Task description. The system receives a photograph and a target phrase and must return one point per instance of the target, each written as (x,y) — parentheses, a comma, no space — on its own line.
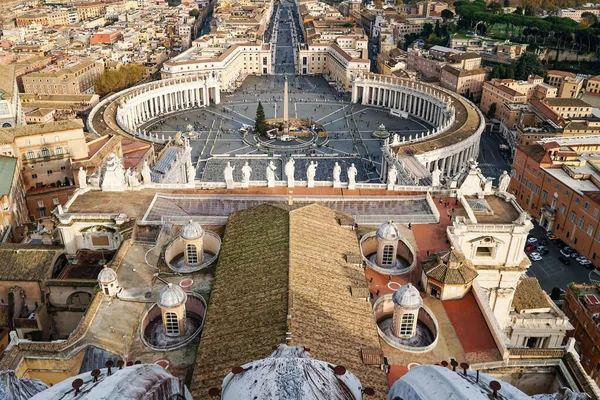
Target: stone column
(286,119)
(218,94)
(206,98)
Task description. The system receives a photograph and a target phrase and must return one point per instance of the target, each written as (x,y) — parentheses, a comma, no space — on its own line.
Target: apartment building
(499,91)
(593,85)
(11,112)
(567,83)
(106,36)
(13,209)
(76,77)
(582,307)
(86,11)
(558,182)
(575,13)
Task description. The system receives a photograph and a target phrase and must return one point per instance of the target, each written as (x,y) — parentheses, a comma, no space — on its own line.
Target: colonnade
(451,164)
(155,99)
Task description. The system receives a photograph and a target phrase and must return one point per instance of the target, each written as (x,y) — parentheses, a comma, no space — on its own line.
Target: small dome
(388,231)
(171,296)
(107,275)
(192,230)
(407,296)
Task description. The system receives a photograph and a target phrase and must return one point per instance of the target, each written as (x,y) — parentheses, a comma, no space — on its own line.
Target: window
(562,209)
(55,201)
(192,254)
(43,140)
(59,150)
(536,190)
(40,203)
(406,325)
(586,205)
(567,193)
(580,222)
(590,230)
(576,199)
(544,195)
(30,154)
(49,172)
(172,324)
(572,216)
(387,258)
(45,152)
(484,251)
(595,212)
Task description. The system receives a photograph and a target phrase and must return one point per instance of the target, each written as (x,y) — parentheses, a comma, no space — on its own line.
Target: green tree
(437,29)
(528,64)
(427,29)
(588,19)
(260,125)
(506,3)
(492,111)
(114,80)
(495,8)
(195,13)
(447,15)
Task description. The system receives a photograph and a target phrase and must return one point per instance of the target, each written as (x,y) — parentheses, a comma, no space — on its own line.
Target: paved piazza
(216,129)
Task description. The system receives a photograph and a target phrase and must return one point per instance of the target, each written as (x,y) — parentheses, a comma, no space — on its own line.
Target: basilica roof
(297,284)
(530,296)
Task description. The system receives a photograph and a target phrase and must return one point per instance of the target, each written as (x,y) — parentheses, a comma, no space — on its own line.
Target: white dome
(107,275)
(171,296)
(407,296)
(388,231)
(192,230)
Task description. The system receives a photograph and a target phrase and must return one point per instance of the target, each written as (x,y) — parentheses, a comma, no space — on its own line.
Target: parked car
(535,257)
(529,247)
(564,260)
(559,243)
(565,253)
(543,242)
(574,255)
(540,248)
(544,252)
(532,240)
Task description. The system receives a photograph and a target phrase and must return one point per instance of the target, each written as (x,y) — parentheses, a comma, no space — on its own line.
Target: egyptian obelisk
(286,119)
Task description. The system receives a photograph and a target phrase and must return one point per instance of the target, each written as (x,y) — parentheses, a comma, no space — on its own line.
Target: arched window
(406,325)
(30,154)
(192,254)
(59,150)
(387,257)
(45,152)
(172,324)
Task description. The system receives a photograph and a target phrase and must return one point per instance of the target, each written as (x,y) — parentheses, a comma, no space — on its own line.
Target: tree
(195,13)
(495,8)
(114,80)
(528,64)
(447,15)
(506,3)
(588,19)
(555,294)
(260,125)
(427,29)
(437,30)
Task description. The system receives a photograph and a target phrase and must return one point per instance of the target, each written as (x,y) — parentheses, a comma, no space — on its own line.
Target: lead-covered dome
(171,296)
(107,275)
(407,296)
(192,230)
(388,231)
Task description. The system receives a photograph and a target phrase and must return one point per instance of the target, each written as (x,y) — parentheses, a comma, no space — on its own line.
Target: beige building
(45,150)
(593,85)
(13,210)
(567,83)
(91,10)
(70,78)
(569,108)
(11,112)
(499,91)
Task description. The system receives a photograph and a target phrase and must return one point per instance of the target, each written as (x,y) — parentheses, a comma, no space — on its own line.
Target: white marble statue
(113,177)
(81,178)
(146,173)
(352,177)
(271,174)
(503,182)
(132,180)
(435,176)
(289,171)
(392,177)
(191,172)
(311,171)
(337,171)
(228,172)
(246,171)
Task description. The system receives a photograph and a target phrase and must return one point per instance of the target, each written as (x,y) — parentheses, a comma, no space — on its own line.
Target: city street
(285,61)
(490,158)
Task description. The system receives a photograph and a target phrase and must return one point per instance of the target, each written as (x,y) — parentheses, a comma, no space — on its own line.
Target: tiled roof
(7,80)
(566,102)
(7,135)
(26,263)
(529,295)
(449,267)
(7,172)
(286,272)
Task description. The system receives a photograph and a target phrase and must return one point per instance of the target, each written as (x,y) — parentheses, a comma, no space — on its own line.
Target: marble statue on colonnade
(228,173)
(271,174)
(503,182)
(146,173)
(337,171)
(352,172)
(191,172)
(246,171)
(81,178)
(392,177)
(311,171)
(289,172)
(435,176)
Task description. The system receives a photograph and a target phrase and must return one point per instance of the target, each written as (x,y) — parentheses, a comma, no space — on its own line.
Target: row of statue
(289,169)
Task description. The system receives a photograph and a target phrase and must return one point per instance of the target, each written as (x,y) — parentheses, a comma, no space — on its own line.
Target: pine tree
(260,126)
